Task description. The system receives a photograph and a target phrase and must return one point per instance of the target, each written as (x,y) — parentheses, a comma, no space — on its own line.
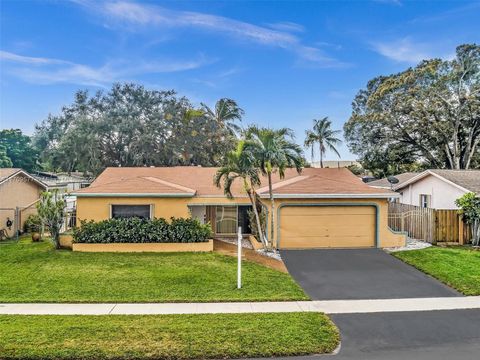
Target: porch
(224,219)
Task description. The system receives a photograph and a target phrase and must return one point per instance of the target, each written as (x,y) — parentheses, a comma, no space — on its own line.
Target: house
(435,188)
(19,192)
(63,182)
(385,184)
(318,208)
(438,189)
(335,163)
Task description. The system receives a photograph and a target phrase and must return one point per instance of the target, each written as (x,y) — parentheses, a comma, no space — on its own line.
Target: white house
(437,189)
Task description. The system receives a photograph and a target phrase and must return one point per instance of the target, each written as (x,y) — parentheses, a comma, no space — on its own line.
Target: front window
(425,200)
(128,211)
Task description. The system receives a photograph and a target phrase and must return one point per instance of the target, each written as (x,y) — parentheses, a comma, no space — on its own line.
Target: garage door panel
(325,226)
(318,229)
(327,210)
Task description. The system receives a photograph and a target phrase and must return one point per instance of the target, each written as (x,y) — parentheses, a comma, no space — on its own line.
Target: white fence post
(239,261)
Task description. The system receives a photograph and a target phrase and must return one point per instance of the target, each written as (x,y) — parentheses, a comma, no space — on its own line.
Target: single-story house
(437,189)
(19,192)
(319,208)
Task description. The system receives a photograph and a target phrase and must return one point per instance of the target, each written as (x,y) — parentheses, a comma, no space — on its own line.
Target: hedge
(136,230)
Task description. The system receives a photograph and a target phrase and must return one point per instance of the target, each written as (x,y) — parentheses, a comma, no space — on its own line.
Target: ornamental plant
(469,205)
(136,230)
(50,209)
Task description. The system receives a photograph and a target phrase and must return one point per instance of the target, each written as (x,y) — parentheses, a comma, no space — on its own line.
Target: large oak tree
(133,126)
(428,115)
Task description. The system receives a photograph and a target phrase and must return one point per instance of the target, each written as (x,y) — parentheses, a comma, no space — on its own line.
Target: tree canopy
(428,115)
(16,150)
(133,126)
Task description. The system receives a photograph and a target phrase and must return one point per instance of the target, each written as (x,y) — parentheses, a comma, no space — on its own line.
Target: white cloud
(403,50)
(287,26)
(135,16)
(8,56)
(48,71)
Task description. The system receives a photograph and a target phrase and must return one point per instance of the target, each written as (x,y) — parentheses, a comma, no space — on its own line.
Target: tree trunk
(257,217)
(272,208)
(321,157)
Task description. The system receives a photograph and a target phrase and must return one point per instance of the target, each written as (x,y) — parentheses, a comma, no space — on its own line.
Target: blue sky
(284,62)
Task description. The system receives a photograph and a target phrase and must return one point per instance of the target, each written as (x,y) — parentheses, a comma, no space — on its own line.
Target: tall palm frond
(326,138)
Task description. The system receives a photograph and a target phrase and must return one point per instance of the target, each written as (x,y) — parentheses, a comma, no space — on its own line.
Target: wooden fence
(428,224)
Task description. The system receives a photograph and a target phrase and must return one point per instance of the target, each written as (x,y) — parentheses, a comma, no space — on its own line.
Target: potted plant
(33,225)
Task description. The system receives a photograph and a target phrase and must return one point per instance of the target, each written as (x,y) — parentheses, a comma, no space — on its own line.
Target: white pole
(239,261)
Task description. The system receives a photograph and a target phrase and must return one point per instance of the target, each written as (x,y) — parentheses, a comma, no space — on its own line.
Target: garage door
(327,227)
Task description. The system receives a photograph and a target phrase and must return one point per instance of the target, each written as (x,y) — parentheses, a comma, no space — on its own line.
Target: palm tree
(240,164)
(274,150)
(225,114)
(322,134)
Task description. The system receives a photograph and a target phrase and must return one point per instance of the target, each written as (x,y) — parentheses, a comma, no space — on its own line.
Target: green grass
(165,336)
(456,267)
(35,272)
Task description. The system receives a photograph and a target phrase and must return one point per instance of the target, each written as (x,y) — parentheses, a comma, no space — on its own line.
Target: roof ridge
(174,185)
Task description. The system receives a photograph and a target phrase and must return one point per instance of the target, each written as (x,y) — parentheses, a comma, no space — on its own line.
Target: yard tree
(428,114)
(132,126)
(469,205)
(274,151)
(241,165)
(50,209)
(323,135)
(16,150)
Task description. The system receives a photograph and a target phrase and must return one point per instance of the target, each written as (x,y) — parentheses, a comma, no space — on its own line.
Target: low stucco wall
(145,247)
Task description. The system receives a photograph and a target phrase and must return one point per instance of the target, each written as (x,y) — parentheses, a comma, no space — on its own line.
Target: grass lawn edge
(166,336)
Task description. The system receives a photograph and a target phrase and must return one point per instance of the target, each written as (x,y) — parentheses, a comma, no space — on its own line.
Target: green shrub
(136,230)
(32,224)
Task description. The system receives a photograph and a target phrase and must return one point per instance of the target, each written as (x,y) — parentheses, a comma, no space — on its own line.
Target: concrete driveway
(338,274)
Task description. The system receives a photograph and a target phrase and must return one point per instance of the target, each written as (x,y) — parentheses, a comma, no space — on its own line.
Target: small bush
(32,224)
(136,230)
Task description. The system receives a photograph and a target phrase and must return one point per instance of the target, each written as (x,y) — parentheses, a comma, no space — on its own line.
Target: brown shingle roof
(468,179)
(7,172)
(383,183)
(190,180)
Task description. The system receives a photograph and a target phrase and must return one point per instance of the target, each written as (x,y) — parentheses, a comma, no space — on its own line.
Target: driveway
(338,274)
(426,335)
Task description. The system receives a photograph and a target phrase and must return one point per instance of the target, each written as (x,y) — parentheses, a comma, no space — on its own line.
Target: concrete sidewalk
(328,307)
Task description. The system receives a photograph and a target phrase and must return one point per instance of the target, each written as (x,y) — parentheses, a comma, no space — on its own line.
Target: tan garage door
(327,227)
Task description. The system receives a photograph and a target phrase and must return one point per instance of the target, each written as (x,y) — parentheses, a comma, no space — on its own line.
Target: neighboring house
(319,208)
(385,184)
(335,163)
(19,192)
(63,182)
(438,189)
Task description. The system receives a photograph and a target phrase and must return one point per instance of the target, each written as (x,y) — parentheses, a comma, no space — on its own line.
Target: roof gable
(465,180)
(6,174)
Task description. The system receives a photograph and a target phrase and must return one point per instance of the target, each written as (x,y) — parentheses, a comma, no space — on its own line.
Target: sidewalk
(328,307)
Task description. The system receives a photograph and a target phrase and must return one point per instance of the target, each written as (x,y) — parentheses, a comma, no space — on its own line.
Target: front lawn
(455,266)
(166,336)
(35,272)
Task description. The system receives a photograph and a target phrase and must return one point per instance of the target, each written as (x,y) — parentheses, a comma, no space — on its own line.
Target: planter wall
(145,247)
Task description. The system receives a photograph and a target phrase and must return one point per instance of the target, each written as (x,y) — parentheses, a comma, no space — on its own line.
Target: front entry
(304,227)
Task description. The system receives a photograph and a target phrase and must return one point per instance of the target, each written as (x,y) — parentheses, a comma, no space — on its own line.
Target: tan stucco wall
(98,208)
(386,237)
(18,191)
